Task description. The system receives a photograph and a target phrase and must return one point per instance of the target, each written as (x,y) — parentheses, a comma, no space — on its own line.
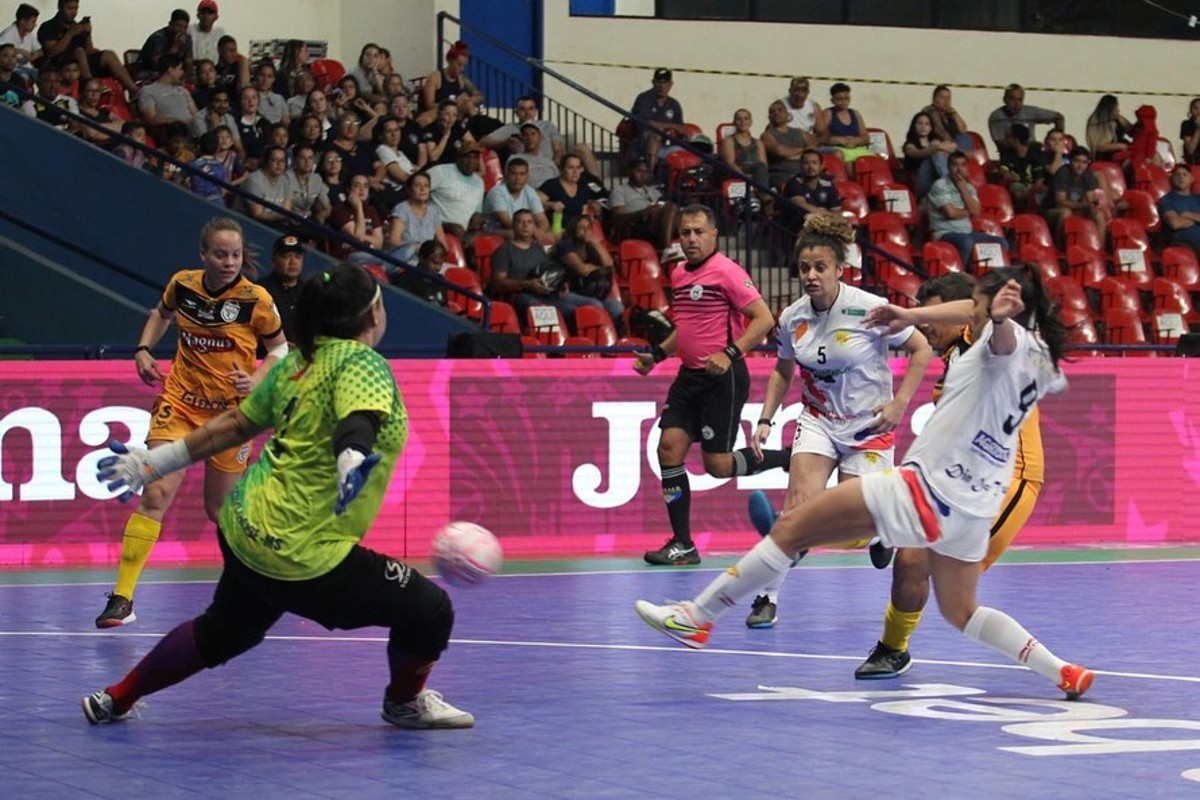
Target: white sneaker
(676,620)
(426,710)
(98,709)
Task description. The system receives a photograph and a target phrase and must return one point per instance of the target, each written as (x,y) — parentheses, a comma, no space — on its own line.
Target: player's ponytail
(1040,312)
(337,303)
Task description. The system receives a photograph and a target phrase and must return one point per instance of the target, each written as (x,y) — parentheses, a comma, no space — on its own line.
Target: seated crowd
(420,171)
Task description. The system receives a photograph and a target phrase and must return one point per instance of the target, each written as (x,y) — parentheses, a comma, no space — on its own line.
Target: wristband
(658,352)
(767,422)
(140,348)
(732,352)
(168,458)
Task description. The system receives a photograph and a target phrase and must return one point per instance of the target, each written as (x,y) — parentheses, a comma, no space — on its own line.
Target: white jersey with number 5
(843,363)
(967,449)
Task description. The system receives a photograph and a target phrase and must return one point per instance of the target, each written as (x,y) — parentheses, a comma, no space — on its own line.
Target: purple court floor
(576,698)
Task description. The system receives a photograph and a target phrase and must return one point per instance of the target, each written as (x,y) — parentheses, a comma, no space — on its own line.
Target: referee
(719,315)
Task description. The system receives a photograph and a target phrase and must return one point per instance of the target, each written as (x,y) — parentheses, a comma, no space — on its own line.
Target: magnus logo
(985,444)
(206,344)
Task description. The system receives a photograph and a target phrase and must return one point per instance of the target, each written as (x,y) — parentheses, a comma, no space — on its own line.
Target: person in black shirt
(283,283)
(430,256)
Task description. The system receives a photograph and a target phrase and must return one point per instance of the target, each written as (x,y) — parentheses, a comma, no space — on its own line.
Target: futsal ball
(465,553)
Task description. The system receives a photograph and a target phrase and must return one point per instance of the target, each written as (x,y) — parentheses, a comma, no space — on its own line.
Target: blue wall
(59,183)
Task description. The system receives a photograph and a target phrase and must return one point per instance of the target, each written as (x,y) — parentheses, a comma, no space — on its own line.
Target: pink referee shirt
(707,307)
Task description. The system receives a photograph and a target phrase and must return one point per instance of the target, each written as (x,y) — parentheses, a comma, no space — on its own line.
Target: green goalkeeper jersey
(279,520)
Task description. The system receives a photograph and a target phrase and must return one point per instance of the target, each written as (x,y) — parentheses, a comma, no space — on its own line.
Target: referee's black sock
(744,462)
(677,492)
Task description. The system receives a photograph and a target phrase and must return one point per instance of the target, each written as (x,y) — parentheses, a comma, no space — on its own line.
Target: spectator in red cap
(447,83)
(204,31)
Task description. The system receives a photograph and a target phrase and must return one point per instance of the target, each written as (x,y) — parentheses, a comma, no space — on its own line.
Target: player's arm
(777,386)
(895,318)
(645,362)
(761,321)
(157,324)
(919,354)
(1005,304)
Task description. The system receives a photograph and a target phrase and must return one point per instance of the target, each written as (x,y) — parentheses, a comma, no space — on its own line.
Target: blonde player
(948,489)
(850,413)
(221,316)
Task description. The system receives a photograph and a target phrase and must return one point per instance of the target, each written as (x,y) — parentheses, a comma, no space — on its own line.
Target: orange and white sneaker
(676,620)
(1075,680)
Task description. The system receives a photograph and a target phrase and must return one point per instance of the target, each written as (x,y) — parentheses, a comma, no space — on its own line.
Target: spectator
(926,153)
(177,147)
(277,135)
(442,139)
(302,84)
(293,64)
(571,193)
(1189,132)
(810,192)
(206,83)
(89,106)
(1108,131)
(783,143)
(48,102)
(330,170)
(847,130)
(211,166)
(233,68)
(8,74)
(396,165)
(456,190)
(804,114)
(639,210)
(541,169)
(394,84)
(63,39)
(166,100)
(1015,111)
(215,115)
(947,124)
(415,221)
(274,184)
(477,124)
(589,267)
(310,132)
(357,219)
(22,37)
(656,113)
(1076,191)
(511,195)
(271,105)
(252,127)
(358,156)
(1026,168)
(172,39)
(1180,209)
(447,83)
(206,37)
(228,154)
(132,155)
(953,203)
(311,196)
(742,151)
(367,75)
(553,144)
(316,104)
(69,74)
(430,257)
(346,98)
(400,108)
(283,282)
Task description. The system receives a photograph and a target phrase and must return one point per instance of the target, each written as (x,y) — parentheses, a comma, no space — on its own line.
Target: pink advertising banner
(557,457)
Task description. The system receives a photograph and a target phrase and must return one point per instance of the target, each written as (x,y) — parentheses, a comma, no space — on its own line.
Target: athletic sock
(898,627)
(744,462)
(175,658)
(763,565)
(677,493)
(1005,635)
(141,532)
(408,674)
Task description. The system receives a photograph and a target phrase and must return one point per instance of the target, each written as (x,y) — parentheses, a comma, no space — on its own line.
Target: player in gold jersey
(221,317)
(910,573)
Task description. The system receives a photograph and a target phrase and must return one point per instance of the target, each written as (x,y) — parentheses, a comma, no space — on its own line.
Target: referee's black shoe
(673,554)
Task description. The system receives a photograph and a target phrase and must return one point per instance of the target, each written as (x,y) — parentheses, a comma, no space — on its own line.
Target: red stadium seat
(881,143)
(1151,178)
(997,204)
(647,293)
(466,279)
(1166,327)
(504,318)
(894,259)
(834,167)
(725,129)
(455,255)
(595,325)
(1081,330)
(976,174)
(1077,230)
(1086,265)
(1172,297)
(1180,264)
(493,172)
(484,247)
(1031,229)
(1143,208)
(1120,293)
(638,255)
(1112,174)
(855,206)
(978,144)
(988,255)
(1067,293)
(872,174)
(546,325)
(941,258)
(679,162)
(526,343)
(1123,326)
(1131,252)
(884,226)
(580,341)
(899,200)
(986,225)
(1044,258)
(902,289)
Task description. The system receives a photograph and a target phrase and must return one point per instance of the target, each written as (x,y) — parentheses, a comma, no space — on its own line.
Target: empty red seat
(1143,208)
(1119,293)
(1081,330)
(1086,265)
(855,206)
(503,318)
(1068,294)
(1077,230)
(1031,229)
(1123,326)
(996,203)
(484,247)
(1045,259)
(1112,175)
(899,200)
(637,255)
(872,174)
(546,325)
(941,258)
(1180,264)
(1170,296)
(595,325)
(1151,178)
(466,279)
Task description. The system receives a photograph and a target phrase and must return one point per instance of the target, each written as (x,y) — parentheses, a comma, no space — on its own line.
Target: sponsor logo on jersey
(229,311)
(206,344)
(395,571)
(696,292)
(707,433)
(989,447)
(854,312)
(841,337)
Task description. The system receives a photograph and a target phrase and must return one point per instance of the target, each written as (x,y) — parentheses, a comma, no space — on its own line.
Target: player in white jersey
(849,412)
(947,491)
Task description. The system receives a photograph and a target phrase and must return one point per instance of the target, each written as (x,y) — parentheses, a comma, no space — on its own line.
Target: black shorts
(366,588)
(708,407)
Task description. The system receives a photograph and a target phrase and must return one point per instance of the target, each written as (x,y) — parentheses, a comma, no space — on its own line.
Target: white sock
(771,590)
(1005,635)
(764,565)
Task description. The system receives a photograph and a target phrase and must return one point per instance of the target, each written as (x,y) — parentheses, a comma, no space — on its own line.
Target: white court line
(615,647)
(808,566)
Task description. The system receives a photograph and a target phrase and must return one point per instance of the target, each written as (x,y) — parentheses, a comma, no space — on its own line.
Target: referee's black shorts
(708,407)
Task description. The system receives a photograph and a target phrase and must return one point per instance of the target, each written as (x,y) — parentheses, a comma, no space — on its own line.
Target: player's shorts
(708,407)
(170,421)
(907,514)
(813,435)
(1015,511)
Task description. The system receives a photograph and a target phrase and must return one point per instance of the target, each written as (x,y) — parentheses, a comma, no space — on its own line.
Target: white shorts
(906,514)
(815,435)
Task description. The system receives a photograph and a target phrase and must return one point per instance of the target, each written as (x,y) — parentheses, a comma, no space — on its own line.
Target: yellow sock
(141,533)
(898,627)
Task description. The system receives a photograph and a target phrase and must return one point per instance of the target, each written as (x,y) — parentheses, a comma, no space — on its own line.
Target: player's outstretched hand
(891,317)
(1007,303)
(353,471)
(128,469)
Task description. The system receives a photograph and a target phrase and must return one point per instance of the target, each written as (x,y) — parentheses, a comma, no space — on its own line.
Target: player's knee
(957,614)
(155,499)
(427,636)
(219,642)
